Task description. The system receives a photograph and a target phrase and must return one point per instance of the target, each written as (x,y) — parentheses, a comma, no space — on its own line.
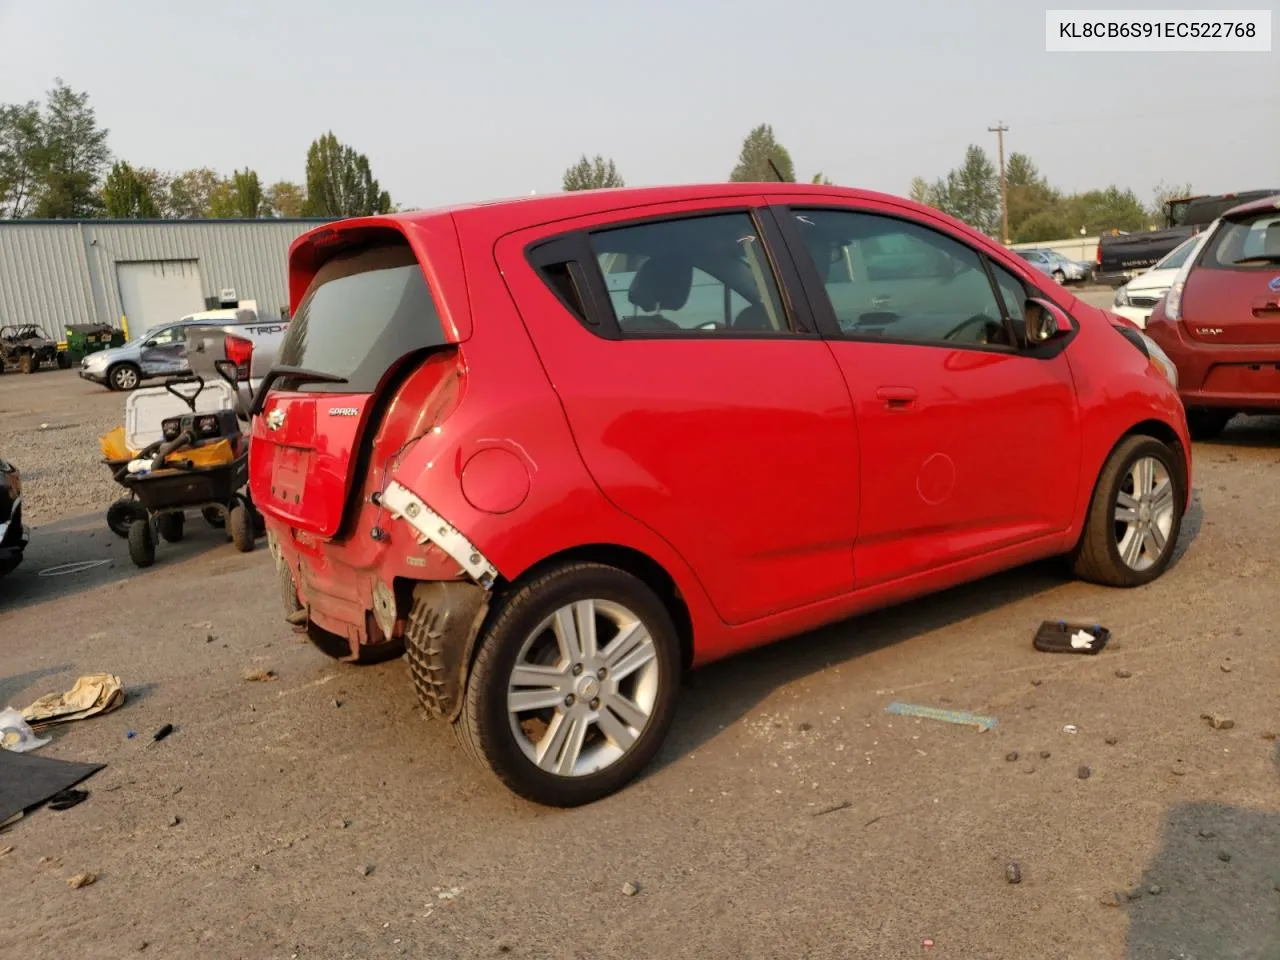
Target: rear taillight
(240,352)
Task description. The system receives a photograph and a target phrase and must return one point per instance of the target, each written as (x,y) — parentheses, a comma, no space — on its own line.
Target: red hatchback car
(1220,321)
(559,449)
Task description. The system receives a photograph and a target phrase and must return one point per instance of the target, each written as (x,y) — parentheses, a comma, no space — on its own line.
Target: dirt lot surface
(319,815)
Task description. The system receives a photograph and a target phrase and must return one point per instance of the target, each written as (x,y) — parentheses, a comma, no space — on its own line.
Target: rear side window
(697,275)
(1251,243)
(364,312)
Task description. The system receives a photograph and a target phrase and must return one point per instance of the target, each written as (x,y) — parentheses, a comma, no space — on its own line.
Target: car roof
(1254,206)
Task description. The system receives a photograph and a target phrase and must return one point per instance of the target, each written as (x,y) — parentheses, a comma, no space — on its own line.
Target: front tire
(1059,278)
(573,686)
(170,526)
(1135,516)
(124,377)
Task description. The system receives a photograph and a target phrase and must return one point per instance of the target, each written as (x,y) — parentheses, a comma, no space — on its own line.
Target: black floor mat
(27,781)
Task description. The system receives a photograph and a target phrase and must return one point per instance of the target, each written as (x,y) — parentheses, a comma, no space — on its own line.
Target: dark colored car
(557,450)
(25,347)
(1220,321)
(13,535)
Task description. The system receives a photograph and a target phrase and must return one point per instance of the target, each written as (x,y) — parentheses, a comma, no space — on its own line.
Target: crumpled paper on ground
(93,694)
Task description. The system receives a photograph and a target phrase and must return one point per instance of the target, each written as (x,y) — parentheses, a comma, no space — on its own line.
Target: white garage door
(156,292)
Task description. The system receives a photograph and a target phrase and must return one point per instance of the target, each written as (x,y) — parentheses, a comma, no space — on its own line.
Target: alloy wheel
(1144,513)
(583,688)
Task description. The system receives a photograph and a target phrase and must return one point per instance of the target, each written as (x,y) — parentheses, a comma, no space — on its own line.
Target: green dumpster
(86,338)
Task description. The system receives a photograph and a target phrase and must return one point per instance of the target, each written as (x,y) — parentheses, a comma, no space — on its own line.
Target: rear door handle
(897,398)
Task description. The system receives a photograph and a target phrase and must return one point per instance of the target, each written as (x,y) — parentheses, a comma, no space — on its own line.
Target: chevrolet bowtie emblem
(275,419)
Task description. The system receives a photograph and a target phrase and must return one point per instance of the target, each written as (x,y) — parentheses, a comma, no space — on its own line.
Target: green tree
(248,193)
(1097,211)
(285,199)
(972,192)
(1029,196)
(820,179)
(223,204)
(125,195)
(920,190)
(340,182)
(594,174)
(73,158)
(21,157)
(759,147)
(191,192)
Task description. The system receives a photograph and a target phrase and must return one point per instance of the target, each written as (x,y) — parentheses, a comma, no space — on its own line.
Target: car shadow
(13,685)
(77,554)
(728,689)
(1263,432)
(1218,877)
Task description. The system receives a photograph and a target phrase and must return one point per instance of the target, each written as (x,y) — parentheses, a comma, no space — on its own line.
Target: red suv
(560,449)
(1220,321)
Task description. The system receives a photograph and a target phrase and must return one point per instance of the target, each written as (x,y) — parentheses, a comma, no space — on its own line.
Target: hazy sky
(468,101)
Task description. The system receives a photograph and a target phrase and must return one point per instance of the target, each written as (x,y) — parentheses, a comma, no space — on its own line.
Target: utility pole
(1000,130)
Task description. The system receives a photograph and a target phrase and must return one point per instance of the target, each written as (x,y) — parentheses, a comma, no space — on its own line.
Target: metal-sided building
(138,274)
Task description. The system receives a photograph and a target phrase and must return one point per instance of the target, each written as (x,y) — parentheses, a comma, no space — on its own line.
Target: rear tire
(214,517)
(142,548)
(612,746)
(1134,519)
(241,523)
(1059,278)
(170,526)
(64,361)
(1208,424)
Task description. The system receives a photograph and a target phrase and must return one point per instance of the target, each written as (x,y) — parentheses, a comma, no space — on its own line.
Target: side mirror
(1045,321)
(148,343)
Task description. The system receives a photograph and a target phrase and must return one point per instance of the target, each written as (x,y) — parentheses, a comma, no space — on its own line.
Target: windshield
(363,313)
(1177,212)
(1255,239)
(1177,256)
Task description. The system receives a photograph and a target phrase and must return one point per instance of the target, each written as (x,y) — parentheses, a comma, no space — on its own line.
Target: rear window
(365,311)
(1251,243)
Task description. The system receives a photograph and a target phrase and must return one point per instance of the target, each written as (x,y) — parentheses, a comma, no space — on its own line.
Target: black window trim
(824,313)
(574,249)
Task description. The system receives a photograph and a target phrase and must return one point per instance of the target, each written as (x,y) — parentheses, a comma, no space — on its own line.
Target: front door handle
(897,398)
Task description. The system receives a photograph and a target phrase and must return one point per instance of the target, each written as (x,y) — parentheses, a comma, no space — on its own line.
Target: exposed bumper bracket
(402,503)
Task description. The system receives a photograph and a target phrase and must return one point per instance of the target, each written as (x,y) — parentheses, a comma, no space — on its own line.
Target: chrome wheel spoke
(618,732)
(575,629)
(560,746)
(1162,498)
(630,713)
(629,651)
(536,688)
(1154,538)
(1126,514)
(1131,547)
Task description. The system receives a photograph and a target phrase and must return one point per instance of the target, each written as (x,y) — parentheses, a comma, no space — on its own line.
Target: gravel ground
(317,815)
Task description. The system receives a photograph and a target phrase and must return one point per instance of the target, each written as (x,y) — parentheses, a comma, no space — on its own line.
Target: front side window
(900,280)
(695,275)
(162,337)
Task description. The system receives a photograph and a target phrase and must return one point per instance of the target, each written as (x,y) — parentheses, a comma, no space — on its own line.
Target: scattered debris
(342,823)
(450,894)
(175,820)
(946,716)
(1123,674)
(16,734)
(1071,728)
(1224,667)
(1134,894)
(805,726)
(1083,772)
(1113,899)
(1112,741)
(66,799)
(1270,735)
(337,703)
(1036,682)
(1218,721)
(162,732)
(1029,768)
(927,943)
(261,676)
(90,696)
(81,880)
(842,805)
(1207,833)
(1045,754)
(1179,769)
(209,638)
(1062,637)
(630,889)
(5,851)
(1011,756)
(366,870)
(1155,889)
(65,569)
(1224,857)
(1013,873)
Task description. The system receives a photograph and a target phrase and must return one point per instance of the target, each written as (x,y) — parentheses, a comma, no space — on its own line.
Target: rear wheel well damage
(446,618)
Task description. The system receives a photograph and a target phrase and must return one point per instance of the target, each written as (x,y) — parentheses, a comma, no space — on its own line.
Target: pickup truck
(1123,256)
(248,342)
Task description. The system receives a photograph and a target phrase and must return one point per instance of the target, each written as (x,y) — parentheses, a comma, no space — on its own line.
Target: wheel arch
(629,560)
